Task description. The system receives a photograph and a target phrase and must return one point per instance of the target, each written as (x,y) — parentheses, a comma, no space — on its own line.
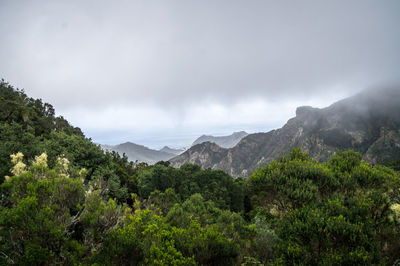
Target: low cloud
(157,65)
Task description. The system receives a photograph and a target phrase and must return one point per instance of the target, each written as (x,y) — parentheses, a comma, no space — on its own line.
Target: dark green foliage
(394,164)
(344,161)
(146,238)
(164,201)
(29,126)
(217,186)
(39,217)
(226,234)
(75,204)
(158,177)
(14,138)
(17,107)
(24,124)
(334,213)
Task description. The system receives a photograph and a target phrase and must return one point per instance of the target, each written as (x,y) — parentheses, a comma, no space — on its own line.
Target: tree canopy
(65,201)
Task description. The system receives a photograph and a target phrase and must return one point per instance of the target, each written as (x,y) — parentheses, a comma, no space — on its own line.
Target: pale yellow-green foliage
(19,166)
(89,191)
(63,164)
(396,209)
(41,160)
(82,173)
(15,158)
(274,211)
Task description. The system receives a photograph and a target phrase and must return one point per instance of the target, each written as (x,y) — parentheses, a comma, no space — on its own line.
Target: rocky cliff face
(368,122)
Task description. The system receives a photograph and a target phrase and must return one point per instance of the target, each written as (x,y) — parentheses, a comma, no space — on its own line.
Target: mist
(165,72)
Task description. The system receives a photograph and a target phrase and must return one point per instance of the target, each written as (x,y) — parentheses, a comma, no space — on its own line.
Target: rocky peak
(352,123)
(305,110)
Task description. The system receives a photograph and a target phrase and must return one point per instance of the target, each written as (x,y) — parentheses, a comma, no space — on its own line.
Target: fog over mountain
(136,152)
(164,72)
(140,153)
(222,141)
(367,122)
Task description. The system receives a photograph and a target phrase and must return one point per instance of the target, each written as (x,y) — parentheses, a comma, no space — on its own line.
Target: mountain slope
(368,122)
(222,141)
(172,151)
(29,126)
(140,152)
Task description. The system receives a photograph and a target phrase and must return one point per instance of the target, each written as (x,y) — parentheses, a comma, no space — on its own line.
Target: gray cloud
(178,55)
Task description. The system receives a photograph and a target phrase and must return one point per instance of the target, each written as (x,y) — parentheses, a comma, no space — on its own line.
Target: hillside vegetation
(65,201)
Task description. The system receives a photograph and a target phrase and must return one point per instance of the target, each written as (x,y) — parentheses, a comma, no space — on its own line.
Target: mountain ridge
(222,141)
(172,150)
(367,122)
(140,153)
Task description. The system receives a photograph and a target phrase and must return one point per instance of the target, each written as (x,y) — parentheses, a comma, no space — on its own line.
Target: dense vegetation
(64,201)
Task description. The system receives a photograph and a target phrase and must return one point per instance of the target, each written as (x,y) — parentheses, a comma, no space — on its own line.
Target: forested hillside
(65,201)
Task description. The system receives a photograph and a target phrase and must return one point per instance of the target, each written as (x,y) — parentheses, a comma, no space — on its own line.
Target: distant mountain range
(223,141)
(368,122)
(169,150)
(141,153)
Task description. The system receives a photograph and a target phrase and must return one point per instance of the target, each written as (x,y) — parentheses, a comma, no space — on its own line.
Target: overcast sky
(165,72)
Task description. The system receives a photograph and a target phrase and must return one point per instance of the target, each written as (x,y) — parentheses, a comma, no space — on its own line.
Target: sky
(165,72)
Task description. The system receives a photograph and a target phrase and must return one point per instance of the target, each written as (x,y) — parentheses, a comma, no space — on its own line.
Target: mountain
(368,122)
(172,151)
(222,141)
(141,153)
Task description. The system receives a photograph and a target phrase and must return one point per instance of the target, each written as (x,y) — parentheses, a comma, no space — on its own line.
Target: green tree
(39,214)
(334,213)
